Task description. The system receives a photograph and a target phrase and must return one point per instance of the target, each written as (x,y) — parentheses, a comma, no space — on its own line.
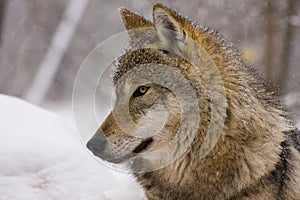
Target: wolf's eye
(140,91)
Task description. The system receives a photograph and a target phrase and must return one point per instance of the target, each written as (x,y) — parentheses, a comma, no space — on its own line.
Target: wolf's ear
(168,26)
(133,21)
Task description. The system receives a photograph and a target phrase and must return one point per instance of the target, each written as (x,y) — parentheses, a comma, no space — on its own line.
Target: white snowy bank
(42,158)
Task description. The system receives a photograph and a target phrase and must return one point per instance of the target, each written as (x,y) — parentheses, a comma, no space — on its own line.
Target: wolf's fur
(256,156)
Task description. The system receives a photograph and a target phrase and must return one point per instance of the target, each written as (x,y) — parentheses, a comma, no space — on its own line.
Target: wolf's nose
(96,145)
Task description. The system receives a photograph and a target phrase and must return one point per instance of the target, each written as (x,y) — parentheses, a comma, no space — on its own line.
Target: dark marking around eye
(140,91)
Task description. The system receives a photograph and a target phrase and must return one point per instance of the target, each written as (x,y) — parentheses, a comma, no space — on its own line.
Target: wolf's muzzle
(96,145)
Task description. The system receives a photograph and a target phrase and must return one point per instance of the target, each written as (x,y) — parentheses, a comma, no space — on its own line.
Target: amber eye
(140,91)
(143,89)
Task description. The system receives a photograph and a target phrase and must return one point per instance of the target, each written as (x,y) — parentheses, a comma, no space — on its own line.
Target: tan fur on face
(249,159)
(141,107)
(158,107)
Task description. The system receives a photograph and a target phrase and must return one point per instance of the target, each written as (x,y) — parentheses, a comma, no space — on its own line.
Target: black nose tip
(96,145)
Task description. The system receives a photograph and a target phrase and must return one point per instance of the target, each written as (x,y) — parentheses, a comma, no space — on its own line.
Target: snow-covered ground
(42,158)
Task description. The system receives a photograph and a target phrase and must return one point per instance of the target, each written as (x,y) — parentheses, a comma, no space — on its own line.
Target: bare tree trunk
(287,46)
(58,46)
(269,40)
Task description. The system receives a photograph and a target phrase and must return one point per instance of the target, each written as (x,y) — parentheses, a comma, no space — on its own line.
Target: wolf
(257,153)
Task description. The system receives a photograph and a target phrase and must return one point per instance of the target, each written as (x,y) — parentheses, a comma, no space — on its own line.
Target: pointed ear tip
(159,6)
(123,11)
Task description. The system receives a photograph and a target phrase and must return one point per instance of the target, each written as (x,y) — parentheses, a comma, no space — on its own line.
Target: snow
(41,157)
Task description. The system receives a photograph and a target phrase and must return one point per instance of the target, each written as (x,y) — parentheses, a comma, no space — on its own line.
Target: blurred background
(43,43)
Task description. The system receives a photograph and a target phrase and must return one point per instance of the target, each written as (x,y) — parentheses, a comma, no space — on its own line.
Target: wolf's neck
(230,168)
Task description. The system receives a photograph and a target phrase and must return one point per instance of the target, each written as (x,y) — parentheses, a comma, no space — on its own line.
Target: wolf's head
(148,114)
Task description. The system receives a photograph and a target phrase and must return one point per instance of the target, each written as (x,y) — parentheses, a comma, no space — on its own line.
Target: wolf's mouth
(138,149)
(143,145)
